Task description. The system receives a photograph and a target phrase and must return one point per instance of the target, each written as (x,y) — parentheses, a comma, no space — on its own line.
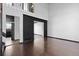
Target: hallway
(41,47)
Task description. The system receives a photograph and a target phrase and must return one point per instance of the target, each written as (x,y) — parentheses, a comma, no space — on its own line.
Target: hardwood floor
(8,41)
(42,47)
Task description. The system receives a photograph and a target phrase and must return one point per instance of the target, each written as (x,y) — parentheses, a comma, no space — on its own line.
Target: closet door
(0,31)
(28,28)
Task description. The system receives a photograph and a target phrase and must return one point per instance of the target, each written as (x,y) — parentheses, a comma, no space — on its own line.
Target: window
(31,7)
(28,7)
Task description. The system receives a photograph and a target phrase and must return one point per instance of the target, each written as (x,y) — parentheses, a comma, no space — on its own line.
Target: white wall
(17,26)
(39,28)
(64,21)
(40,11)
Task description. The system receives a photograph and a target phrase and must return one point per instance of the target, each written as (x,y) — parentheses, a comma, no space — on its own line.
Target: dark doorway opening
(10,27)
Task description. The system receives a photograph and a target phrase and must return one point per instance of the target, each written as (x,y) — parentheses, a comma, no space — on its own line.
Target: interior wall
(39,28)
(64,20)
(17,26)
(40,11)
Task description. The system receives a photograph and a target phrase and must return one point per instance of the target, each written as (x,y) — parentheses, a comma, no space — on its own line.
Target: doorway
(38,28)
(38,31)
(9,29)
(12,27)
(29,23)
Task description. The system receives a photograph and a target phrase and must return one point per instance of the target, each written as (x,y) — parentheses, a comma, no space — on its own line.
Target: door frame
(45,25)
(40,20)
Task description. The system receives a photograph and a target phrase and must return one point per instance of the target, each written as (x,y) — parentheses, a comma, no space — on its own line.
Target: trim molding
(38,34)
(64,39)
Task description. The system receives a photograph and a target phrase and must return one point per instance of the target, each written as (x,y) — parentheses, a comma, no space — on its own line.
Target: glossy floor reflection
(8,41)
(43,47)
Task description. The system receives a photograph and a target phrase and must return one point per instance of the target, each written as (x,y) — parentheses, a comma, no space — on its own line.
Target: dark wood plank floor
(41,47)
